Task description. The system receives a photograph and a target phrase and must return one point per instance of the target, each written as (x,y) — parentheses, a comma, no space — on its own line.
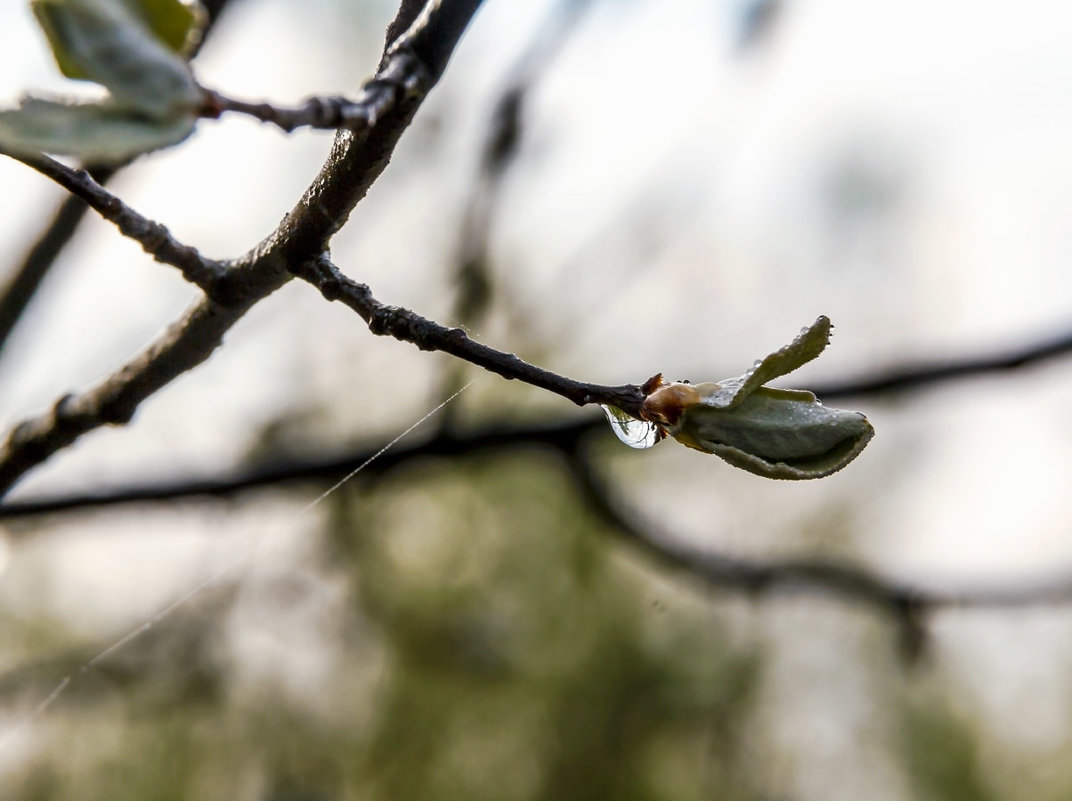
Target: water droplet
(634,433)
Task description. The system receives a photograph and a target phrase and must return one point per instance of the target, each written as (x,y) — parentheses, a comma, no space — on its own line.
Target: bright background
(683,205)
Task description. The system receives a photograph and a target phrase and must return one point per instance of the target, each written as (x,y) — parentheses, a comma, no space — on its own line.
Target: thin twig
(154,238)
(473,278)
(319,113)
(410,327)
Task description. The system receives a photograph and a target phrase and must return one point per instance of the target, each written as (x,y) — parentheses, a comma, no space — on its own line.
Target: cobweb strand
(65,683)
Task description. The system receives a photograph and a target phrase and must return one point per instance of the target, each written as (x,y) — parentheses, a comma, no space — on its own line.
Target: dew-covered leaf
(101,133)
(776,433)
(807,345)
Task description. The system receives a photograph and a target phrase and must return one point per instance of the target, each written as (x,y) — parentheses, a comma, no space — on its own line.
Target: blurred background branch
(560,434)
(473,275)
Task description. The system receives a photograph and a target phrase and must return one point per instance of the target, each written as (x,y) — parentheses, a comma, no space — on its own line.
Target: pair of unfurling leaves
(137,50)
(775,433)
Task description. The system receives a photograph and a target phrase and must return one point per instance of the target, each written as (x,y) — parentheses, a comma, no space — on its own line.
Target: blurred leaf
(943,756)
(99,132)
(175,23)
(101,41)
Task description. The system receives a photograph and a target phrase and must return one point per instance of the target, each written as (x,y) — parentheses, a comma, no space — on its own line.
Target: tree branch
(430,31)
(390,100)
(182,347)
(357,159)
(563,434)
(410,327)
(324,113)
(19,290)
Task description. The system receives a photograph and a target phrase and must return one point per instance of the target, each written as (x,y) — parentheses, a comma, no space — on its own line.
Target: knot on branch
(156,239)
(230,288)
(457,336)
(117,412)
(30,439)
(24,443)
(331,289)
(63,410)
(386,320)
(404,79)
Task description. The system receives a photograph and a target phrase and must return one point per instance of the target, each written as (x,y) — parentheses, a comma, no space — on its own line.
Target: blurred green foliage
(943,755)
(521,656)
(493,642)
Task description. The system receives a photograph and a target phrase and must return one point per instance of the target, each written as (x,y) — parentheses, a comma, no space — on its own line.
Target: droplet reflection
(634,433)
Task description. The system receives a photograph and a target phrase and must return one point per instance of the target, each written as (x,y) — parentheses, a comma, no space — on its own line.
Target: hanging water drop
(634,433)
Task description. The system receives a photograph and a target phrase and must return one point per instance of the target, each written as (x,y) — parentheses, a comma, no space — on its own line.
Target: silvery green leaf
(808,344)
(97,132)
(776,433)
(102,41)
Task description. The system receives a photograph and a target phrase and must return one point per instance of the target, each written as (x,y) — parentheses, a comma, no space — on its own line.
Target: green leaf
(775,433)
(52,20)
(808,344)
(102,41)
(175,23)
(101,133)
